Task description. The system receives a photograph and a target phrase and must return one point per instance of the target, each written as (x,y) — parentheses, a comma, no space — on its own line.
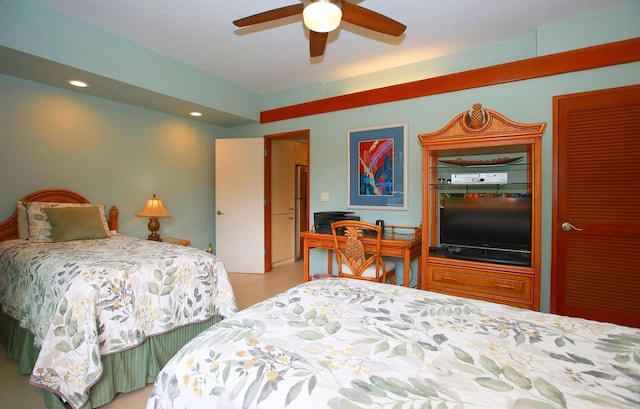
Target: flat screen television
(501,224)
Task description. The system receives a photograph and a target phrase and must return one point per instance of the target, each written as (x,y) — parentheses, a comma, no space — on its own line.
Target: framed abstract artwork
(377,167)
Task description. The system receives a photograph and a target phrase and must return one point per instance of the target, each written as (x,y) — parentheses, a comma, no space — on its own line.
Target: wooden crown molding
(620,52)
(479,125)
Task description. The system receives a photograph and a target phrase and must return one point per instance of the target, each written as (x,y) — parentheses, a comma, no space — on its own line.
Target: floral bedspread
(84,299)
(340,343)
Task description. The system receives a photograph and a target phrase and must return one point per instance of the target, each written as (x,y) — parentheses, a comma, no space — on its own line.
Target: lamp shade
(322,16)
(153,208)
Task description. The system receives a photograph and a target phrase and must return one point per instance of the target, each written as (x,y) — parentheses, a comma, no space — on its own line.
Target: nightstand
(177,241)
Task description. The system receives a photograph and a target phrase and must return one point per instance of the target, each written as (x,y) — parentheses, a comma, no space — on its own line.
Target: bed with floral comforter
(340,343)
(86,299)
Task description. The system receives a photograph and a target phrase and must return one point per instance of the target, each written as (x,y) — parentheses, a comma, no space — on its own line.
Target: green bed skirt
(122,372)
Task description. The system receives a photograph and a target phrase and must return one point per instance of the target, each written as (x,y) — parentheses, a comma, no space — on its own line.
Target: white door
(240,204)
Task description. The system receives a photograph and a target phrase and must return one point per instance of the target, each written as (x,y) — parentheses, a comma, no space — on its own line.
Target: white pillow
(23,225)
(39,226)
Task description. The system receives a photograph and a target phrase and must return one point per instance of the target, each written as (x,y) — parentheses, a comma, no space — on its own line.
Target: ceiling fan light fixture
(322,16)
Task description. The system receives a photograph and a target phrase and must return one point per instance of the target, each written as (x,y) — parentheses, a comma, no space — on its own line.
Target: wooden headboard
(9,227)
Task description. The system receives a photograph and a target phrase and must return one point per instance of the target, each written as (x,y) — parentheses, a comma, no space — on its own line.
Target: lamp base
(154,237)
(153,226)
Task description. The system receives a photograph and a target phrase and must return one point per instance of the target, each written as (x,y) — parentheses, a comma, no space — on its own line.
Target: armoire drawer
(476,283)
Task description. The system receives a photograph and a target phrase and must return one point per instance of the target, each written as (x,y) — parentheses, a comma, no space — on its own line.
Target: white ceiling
(275,56)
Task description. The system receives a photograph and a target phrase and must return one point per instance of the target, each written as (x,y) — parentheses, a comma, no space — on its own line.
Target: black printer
(323,220)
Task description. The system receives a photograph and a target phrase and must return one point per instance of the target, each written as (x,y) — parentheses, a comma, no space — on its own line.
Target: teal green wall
(110,152)
(121,154)
(525,101)
(507,51)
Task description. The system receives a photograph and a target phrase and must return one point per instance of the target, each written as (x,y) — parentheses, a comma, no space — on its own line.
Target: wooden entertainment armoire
(482,154)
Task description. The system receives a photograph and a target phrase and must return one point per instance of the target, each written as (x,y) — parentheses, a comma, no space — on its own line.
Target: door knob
(219,213)
(566,226)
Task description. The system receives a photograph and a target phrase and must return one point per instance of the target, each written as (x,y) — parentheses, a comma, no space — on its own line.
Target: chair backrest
(352,256)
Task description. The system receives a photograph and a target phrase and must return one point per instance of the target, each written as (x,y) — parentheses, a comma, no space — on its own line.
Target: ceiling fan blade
(270,15)
(366,18)
(317,43)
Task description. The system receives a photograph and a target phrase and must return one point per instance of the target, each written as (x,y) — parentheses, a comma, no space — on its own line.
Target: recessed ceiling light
(196,113)
(78,83)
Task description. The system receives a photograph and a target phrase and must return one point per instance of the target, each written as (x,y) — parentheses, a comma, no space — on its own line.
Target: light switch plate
(324,196)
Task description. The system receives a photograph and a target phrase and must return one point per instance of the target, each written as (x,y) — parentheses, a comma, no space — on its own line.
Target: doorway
(596,206)
(286,210)
(239,164)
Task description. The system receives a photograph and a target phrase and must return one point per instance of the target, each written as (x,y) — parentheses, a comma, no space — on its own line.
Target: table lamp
(153,209)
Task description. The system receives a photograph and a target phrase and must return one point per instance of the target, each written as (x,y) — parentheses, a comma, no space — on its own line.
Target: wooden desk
(400,245)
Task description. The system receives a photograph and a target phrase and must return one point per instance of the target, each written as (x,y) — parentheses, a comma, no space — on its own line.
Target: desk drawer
(508,288)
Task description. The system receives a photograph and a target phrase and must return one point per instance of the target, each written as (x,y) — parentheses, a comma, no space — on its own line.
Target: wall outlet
(324,196)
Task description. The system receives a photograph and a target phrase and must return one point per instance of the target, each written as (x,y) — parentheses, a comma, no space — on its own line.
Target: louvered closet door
(596,217)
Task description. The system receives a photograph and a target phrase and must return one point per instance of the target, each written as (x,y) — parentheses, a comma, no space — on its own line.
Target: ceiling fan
(323,16)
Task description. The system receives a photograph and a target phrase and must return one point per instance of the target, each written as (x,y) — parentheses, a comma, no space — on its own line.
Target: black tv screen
(500,223)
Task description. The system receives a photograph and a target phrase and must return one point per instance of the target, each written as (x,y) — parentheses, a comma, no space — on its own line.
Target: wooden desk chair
(353,260)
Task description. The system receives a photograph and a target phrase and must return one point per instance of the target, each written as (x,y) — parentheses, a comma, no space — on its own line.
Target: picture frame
(377,167)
